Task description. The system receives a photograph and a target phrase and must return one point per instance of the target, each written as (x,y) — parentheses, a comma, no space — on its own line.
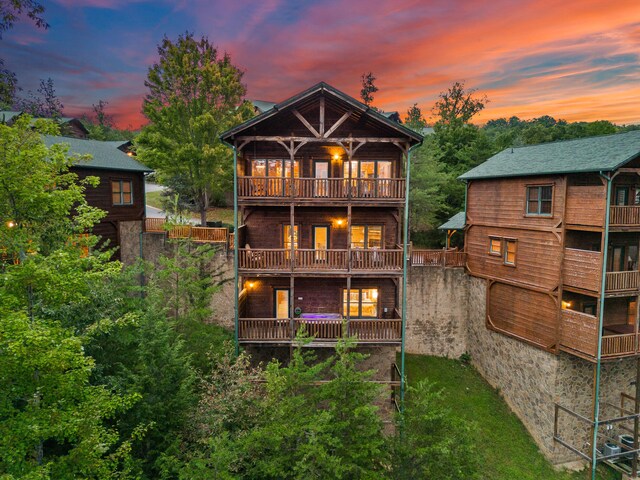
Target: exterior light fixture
(336,157)
(251,284)
(11,224)
(339,222)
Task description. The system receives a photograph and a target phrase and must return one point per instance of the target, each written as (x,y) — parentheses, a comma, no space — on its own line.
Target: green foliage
(41,202)
(368,88)
(194,95)
(414,119)
(433,443)
(52,418)
(13,10)
(101,126)
(8,88)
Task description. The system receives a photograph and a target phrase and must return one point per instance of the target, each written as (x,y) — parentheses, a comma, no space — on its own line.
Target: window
(540,200)
(509,252)
(363,302)
(274,168)
(287,237)
(368,169)
(495,246)
(121,192)
(366,236)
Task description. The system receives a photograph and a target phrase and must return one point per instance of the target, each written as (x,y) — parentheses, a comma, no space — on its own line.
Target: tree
(458,104)
(433,443)
(414,119)
(195,94)
(12,10)
(43,103)
(368,88)
(8,87)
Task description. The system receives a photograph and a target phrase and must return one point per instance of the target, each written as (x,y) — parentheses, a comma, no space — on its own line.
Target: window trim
(493,252)
(505,250)
(527,213)
(286,238)
(121,192)
(366,235)
(359,289)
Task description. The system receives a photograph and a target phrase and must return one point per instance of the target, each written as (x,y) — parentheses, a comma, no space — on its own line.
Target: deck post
(598,364)
(636,425)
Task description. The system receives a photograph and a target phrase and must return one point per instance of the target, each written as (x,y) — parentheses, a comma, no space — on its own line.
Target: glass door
(320,242)
(321,173)
(282,303)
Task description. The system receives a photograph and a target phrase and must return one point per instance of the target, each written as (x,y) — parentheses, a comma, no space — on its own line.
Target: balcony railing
(438,258)
(370,330)
(389,260)
(622,281)
(580,333)
(196,234)
(620,216)
(321,188)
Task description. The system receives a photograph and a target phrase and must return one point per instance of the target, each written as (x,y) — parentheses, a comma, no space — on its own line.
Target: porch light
(336,157)
(339,222)
(566,305)
(251,284)
(11,224)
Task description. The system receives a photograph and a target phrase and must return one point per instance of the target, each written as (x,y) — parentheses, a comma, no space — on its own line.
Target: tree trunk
(204,203)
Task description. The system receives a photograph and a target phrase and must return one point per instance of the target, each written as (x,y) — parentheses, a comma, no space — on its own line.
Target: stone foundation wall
(437,306)
(129,235)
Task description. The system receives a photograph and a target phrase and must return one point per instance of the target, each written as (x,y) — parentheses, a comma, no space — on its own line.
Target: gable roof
(8,117)
(457,222)
(593,154)
(104,155)
(322,87)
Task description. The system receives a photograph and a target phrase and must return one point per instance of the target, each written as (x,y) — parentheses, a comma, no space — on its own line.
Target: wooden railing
(378,260)
(376,329)
(264,329)
(196,234)
(375,259)
(438,258)
(579,331)
(322,259)
(264,259)
(617,345)
(624,215)
(321,188)
(582,269)
(365,330)
(621,281)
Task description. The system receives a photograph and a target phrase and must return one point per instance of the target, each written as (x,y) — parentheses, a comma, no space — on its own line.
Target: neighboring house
(120,192)
(455,224)
(321,192)
(555,231)
(69,126)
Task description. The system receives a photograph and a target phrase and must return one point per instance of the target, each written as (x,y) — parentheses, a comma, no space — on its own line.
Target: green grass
(506,449)
(153,199)
(214,214)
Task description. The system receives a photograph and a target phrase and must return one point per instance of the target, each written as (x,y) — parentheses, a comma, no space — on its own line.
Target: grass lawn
(506,449)
(153,199)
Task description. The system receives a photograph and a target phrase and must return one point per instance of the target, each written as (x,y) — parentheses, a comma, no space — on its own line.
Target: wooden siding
(502,202)
(265,225)
(538,255)
(579,331)
(582,269)
(315,295)
(524,313)
(586,205)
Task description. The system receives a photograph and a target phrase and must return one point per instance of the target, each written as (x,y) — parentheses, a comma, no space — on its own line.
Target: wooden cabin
(69,126)
(121,190)
(321,191)
(555,231)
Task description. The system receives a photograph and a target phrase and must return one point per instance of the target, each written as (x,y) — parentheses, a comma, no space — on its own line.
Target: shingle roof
(594,154)
(7,116)
(262,106)
(104,155)
(321,87)
(457,222)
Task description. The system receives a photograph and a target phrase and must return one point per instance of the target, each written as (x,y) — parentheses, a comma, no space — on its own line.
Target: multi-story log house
(321,195)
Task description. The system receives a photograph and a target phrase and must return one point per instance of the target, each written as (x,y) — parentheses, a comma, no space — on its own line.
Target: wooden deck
(583,271)
(624,216)
(438,258)
(196,234)
(320,261)
(579,333)
(272,330)
(321,190)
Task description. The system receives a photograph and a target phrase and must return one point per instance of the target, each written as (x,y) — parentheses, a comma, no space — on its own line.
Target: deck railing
(621,281)
(624,215)
(196,234)
(617,345)
(438,258)
(379,260)
(370,330)
(321,188)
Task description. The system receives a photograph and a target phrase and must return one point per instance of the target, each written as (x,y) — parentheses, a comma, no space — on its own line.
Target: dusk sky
(571,59)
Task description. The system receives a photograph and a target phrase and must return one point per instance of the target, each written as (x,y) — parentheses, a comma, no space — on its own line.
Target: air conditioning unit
(611,449)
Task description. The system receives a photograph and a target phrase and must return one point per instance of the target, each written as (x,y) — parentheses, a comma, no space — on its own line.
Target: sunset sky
(571,59)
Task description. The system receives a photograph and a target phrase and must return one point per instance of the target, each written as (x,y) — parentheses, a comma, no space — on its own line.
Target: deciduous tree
(195,94)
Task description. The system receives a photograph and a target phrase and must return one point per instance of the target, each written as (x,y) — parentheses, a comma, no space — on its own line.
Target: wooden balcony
(196,234)
(579,334)
(282,331)
(624,216)
(320,261)
(321,190)
(622,281)
(438,258)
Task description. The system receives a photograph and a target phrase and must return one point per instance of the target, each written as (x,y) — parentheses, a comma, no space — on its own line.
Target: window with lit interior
(121,192)
(510,252)
(363,302)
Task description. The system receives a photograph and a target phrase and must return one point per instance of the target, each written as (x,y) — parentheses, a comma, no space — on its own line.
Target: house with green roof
(554,230)
(120,192)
